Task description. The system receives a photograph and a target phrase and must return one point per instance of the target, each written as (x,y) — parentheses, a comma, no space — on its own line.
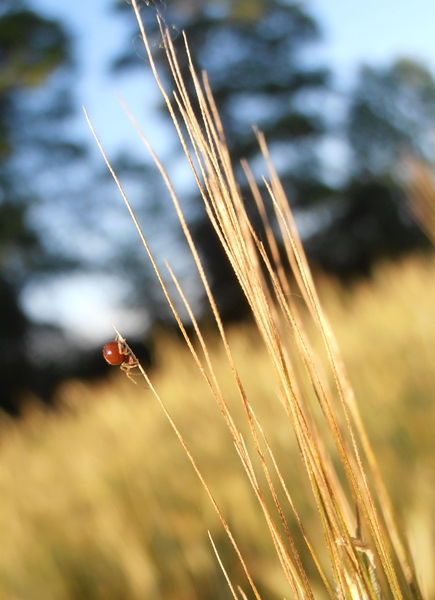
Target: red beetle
(112,353)
(118,352)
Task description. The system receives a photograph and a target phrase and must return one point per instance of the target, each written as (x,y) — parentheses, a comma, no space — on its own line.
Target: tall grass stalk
(362,553)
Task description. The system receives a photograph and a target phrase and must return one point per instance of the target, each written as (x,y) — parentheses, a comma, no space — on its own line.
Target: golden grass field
(98,500)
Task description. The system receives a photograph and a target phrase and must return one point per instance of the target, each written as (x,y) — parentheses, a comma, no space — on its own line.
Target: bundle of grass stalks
(352,540)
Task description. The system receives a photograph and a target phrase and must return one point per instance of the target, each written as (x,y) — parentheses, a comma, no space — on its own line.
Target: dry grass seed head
(246,253)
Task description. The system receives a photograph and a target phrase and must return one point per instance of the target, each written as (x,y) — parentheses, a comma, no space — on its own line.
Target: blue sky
(375,31)
(354,32)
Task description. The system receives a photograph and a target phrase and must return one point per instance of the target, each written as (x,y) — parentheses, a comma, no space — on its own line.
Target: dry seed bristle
(248,257)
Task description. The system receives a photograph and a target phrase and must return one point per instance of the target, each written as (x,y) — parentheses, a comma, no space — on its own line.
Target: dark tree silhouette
(35,56)
(392,109)
(392,112)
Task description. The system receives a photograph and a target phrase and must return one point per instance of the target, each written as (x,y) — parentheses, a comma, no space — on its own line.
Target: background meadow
(99,501)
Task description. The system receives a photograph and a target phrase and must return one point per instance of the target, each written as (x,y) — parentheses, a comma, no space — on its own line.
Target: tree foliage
(391,113)
(392,110)
(34,54)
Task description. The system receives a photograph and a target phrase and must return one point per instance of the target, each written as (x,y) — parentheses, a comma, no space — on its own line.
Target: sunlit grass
(99,501)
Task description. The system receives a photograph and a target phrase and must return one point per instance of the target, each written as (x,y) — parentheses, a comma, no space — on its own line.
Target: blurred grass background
(98,500)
